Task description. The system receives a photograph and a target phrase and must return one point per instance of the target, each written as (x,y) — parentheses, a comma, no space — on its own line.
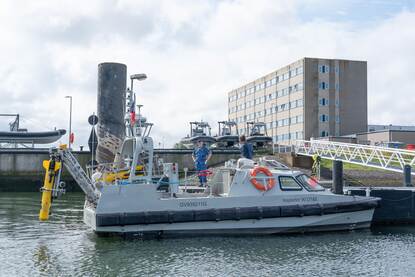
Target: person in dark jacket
(247,150)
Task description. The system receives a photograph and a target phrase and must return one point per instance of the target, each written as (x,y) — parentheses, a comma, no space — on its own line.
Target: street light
(70,120)
(138,77)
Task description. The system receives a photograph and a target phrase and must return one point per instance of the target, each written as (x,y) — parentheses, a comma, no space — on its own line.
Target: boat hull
(190,142)
(32,137)
(264,226)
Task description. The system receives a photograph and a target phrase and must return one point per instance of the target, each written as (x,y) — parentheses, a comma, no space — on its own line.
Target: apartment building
(311,97)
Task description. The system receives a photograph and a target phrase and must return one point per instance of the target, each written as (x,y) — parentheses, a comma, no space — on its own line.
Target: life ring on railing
(269,184)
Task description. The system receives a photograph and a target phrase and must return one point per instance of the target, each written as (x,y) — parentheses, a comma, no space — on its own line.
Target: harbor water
(64,246)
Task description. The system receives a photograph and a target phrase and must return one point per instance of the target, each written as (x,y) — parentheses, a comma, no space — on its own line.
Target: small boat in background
(31,137)
(228,135)
(17,135)
(258,134)
(199,131)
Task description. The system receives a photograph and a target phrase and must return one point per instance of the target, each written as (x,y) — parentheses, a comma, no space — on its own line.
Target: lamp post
(70,120)
(138,77)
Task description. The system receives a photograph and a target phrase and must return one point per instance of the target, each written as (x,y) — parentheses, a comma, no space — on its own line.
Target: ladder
(372,156)
(79,175)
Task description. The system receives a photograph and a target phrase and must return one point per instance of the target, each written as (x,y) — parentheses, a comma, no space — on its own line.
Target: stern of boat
(90,216)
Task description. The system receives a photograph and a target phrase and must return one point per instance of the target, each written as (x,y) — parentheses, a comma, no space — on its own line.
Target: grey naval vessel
(140,196)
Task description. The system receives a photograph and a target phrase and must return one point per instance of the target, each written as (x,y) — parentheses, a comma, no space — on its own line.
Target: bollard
(407,182)
(337,186)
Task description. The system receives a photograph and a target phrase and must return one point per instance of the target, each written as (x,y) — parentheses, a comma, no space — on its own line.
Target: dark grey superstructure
(112,78)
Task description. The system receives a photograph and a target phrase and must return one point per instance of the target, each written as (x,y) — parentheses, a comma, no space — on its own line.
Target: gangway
(52,187)
(392,159)
(79,175)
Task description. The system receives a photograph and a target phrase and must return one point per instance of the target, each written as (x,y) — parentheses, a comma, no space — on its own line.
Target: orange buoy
(269,184)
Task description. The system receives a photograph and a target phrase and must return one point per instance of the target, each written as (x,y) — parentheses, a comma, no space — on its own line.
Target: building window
(285,91)
(286,121)
(293,73)
(324,69)
(293,135)
(337,86)
(286,76)
(337,118)
(293,104)
(294,120)
(324,85)
(324,101)
(299,70)
(324,118)
(324,133)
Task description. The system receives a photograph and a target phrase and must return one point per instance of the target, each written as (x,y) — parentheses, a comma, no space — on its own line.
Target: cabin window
(288,183)
(310,183)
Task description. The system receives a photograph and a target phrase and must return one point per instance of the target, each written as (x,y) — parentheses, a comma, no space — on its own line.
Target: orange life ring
(269,184)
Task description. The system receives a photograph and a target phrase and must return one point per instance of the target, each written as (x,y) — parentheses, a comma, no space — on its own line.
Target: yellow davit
(51,166)
(122,175)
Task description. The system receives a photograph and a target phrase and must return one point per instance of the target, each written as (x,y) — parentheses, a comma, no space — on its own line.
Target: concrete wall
(292,160)
(353,97)
(403,136)
(346,79)
(21,170)
(311,124)
(340,139)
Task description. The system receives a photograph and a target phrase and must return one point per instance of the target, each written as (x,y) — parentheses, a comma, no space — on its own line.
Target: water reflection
(65,246)
(41,259)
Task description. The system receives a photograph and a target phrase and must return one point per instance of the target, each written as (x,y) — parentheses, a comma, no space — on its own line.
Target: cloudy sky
(193,52)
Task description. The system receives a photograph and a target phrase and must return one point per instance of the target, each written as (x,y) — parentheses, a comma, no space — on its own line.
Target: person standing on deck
(201,156)
(247,150)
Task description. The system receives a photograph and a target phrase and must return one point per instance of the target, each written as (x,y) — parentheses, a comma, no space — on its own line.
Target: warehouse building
(388,138)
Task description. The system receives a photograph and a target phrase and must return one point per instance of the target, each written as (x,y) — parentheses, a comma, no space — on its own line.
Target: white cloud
(193,52)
